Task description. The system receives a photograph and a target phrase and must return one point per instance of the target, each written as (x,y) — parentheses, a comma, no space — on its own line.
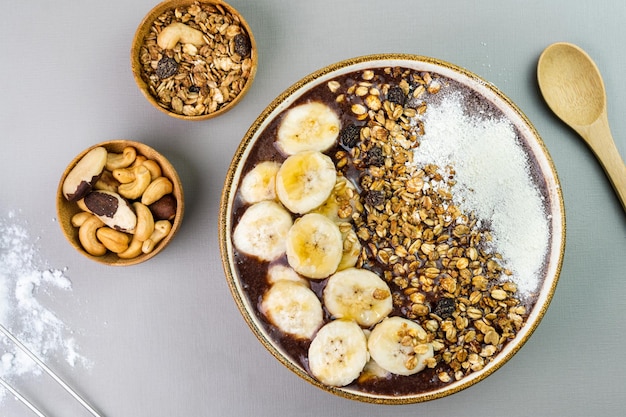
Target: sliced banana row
(320,244)
(316,244)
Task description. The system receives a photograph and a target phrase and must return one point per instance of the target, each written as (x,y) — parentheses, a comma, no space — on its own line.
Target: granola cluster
(435,257)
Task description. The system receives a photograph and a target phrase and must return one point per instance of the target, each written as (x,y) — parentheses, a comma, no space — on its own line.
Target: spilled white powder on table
(23,284)
(493,181)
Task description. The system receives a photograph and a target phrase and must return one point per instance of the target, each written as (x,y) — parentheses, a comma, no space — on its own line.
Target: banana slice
(373,371)
(399,345)
(358,294)
(279,272)
(305,180)
(293,308)
(351,247)
(260,183)
(339,207)
(338,353)
(341,202)
(262,230)
(309,126)
(314,246)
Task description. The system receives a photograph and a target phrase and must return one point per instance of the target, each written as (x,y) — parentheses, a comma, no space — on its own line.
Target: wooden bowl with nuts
(120,202)
(194,59)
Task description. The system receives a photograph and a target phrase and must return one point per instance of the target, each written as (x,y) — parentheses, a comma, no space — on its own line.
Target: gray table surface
(165,338)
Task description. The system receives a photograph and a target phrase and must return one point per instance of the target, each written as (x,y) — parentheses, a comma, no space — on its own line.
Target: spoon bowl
(572,86)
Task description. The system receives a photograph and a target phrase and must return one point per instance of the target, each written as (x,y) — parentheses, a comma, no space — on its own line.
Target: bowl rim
(70,232)
(144,27)
(487,90)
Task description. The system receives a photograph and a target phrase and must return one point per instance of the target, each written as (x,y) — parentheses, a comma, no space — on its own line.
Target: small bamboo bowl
(144,29)
(66,209)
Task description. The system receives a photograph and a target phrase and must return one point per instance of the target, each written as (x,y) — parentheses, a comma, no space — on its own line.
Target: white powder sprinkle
(23,282)
(493,181)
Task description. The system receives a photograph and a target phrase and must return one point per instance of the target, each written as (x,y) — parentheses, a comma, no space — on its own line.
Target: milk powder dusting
(23,283)
(493,181)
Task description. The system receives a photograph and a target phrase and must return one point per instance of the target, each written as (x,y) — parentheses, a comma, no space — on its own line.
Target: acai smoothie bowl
(392,228)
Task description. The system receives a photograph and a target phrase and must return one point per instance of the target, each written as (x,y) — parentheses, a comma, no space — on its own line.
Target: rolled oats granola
(204,63)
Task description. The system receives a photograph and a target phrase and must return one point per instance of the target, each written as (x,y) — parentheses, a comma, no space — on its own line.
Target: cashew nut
(81,205)
(112,239)
(88,239)
(179,32)
(145,221)
(135,188)
(126,175)
(139,160)
(134,249)
(153,167)
(107,182)
(121,160)
(157,189)
(161,229)
(79,218)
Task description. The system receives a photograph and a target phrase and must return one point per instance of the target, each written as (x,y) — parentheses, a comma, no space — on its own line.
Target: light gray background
(165,337)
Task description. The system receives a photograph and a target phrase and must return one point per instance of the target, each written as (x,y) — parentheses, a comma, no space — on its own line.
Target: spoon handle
(598,137)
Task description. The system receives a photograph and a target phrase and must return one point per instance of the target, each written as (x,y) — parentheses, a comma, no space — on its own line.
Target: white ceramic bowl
(484,93)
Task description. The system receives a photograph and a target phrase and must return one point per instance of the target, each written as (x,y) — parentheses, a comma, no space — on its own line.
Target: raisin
(375,198)
(166,67)
(445,307)
(242,45)
(396,95)
(375,157)
(194,89)
(350,135)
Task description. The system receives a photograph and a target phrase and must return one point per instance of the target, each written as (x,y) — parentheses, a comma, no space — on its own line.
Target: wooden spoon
(572,87)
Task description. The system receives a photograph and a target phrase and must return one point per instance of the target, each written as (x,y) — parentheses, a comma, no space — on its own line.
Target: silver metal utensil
(51,373)
(20,397)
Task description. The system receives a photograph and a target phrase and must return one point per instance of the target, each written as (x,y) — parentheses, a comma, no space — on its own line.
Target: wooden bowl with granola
(194,59)
(392,228)
(120,202)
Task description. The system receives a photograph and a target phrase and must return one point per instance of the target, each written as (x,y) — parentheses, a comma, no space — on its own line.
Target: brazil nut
(112,209)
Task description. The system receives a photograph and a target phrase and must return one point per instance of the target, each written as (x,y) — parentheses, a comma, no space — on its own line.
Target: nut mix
(196,59)
(127,204)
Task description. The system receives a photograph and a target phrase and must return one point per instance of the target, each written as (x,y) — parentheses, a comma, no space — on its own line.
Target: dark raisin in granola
(396,95)
(194,89)
(375,157)
(242,45)
(445,307)
(166,67)
(374,197)
(350,135)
